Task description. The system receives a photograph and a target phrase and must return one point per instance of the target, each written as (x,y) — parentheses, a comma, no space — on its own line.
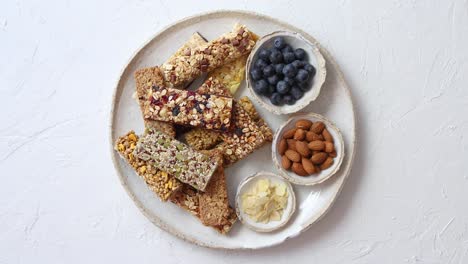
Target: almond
(304,124)
(293,155)
(311,136)
(327,163)
(289,133)
(317,127)
(285,162)
(318,158)
(327,136)
(308,166)
(316,145)
(303,149)
(317,169)
(291,144)
(298,169)
(329,147)
(283,146)
(300,134)
(315,152)
(333,154)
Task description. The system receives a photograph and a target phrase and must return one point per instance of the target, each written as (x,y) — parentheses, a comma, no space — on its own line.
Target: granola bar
(231,74)
(176,158)
(189,108)
(214,203)
(162,184)
(188,199)
(250,109)
(147,78)
(245,139)
(200,138)
(195,62)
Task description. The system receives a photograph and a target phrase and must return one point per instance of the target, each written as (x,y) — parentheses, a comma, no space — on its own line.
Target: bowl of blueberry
(285,72)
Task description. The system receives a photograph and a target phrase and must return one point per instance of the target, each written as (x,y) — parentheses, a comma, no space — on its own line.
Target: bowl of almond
(308,149)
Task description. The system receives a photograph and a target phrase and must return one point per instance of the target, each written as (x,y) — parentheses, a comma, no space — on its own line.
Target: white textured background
(406,198)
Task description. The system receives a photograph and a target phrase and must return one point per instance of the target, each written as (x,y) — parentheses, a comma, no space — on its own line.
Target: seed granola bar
(189,108)
(195,62)
(162,184)
(177,159)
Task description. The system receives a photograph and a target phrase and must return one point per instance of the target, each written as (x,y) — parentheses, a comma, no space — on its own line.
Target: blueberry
(268,71)
(289,99)
(282,87)
(305,86)
(289,70)
(289,80)
(310,69)
(279,68)
(276,56)
(256,74)
(297,93)
(264,54)
(300,54)
(261,87)
(302,76)
(276,99)
(176,110)
(273,80)
(288,57)
(271,90)
(298,64)
(279,42)
(287,48)
(260,64)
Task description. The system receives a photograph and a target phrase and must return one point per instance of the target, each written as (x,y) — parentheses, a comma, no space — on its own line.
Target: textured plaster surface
(404,202)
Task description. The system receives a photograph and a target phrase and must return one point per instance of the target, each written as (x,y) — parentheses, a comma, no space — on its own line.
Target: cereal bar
(231,74)
(189,108)
(162,184)
(200,138)
(195,62)
(177,159)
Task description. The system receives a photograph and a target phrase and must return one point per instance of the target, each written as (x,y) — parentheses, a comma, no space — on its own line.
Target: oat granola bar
(176,158)
(195,62)
(231,74)
(214,203)
(200,138)
(162,184)
(250,108)
(245,139)
(189,108)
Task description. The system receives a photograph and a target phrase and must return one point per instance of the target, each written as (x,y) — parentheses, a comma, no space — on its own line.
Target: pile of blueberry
(282,73)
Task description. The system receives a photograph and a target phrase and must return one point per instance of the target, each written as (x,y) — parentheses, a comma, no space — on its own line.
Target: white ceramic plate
(313,202)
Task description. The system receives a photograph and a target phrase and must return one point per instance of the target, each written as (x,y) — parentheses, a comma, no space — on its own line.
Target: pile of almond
(307,148)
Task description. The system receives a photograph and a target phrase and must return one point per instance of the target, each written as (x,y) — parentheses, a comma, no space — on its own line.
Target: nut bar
(250,108)
(162,184)
(177,159)
(189,108)
(214,203)
(195,62)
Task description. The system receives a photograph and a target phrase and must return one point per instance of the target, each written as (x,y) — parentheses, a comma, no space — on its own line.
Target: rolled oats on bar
(161,183)
(176,158)
(250,109)
(189,108)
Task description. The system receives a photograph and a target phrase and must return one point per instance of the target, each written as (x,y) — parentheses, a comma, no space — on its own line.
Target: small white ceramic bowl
(314,57)
(246,185)
(314,178)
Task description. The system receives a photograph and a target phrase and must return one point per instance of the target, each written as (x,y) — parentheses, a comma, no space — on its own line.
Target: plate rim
(156,220)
